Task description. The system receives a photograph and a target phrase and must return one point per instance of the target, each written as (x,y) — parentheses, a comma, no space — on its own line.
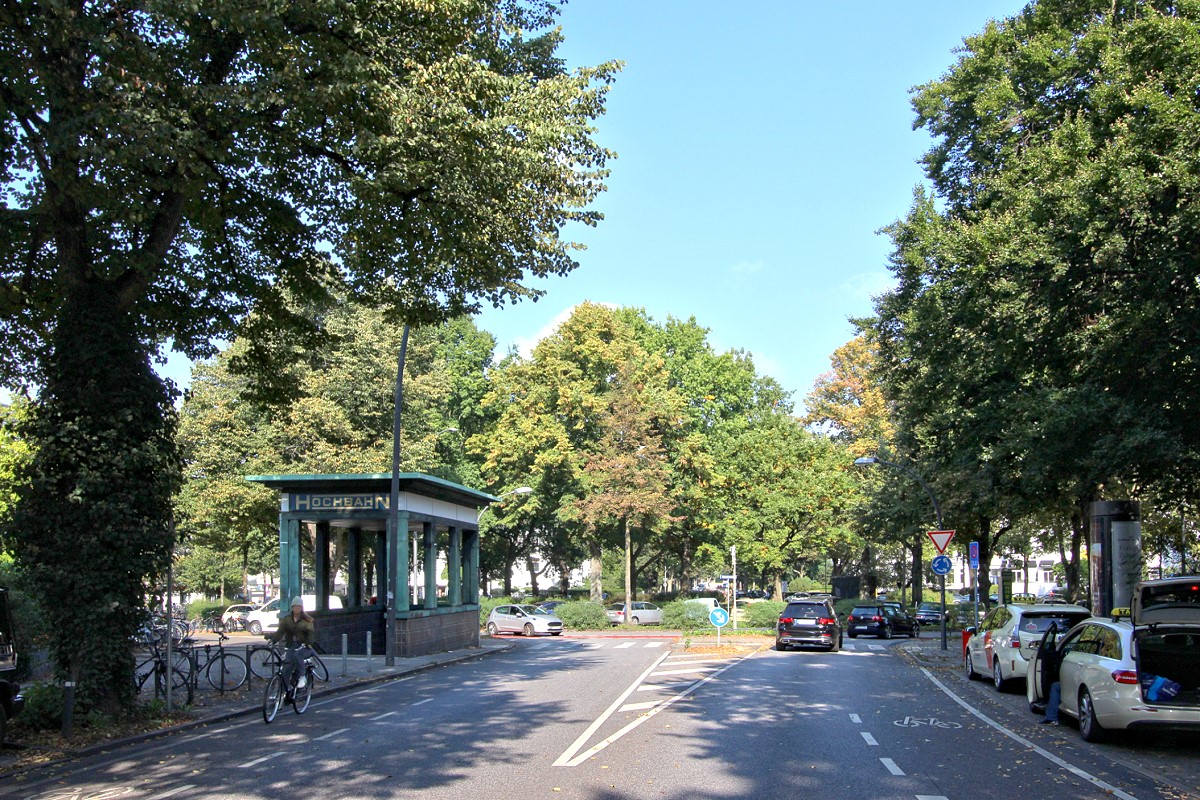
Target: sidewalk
(926,650)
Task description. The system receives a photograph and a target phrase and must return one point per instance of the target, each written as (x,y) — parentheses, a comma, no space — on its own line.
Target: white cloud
(744,269)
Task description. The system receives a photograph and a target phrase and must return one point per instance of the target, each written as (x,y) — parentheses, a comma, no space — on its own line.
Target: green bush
(684,616)
(43,707)
(582,615)
(763,615)
(197,609)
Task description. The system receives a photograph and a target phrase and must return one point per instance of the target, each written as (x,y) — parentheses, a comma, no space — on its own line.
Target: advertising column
(1114,553)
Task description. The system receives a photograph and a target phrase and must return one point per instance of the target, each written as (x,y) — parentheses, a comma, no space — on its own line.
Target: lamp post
(393,523)
(867,461)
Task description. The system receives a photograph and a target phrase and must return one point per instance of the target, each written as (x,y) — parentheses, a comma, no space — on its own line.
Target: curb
(224,716)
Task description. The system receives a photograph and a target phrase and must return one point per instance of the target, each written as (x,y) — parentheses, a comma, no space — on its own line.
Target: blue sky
(761,146)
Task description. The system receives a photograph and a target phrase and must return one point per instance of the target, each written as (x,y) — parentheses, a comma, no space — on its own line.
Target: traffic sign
(941,565)
(719,617)
(940,539)
(974,555)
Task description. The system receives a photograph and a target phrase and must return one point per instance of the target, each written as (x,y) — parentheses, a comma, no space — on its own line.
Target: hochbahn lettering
(339,502)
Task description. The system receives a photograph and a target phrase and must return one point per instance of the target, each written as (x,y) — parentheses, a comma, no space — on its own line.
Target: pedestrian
(1050,661)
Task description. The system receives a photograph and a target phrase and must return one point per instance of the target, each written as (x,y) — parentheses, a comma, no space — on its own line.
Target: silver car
(524,619)
(639,613)
(1127,673)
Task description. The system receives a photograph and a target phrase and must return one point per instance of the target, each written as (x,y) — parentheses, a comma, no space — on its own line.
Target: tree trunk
(596,573)
(918,567)
(628,566)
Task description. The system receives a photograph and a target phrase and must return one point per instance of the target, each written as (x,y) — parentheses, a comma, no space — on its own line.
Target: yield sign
(940,539)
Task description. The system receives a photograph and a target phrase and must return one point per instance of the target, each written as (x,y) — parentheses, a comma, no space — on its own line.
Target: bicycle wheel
(302,697)
(263,662)
(273,697)
(320,671)
(181,687)
(227,672)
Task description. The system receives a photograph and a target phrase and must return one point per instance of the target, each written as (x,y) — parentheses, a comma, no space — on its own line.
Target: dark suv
(880,620)
(808,622)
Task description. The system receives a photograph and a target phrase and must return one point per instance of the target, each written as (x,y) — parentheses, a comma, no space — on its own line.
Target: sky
(761,147)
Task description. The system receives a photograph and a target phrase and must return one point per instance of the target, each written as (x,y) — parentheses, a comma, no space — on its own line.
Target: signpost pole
(733,603)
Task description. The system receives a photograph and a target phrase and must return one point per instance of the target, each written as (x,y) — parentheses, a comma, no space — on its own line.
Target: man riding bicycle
(296,632)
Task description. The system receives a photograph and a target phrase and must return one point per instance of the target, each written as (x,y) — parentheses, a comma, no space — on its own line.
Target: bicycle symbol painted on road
(80,793)
(916,722)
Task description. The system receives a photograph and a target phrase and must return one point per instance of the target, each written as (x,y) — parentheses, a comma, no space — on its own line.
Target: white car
(265,619)
(1001,646)
(1119,674)
(639,613)
(524,619)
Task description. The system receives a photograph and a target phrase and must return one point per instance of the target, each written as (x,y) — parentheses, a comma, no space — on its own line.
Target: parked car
(882,620)
(265,618)
(909,618)
(808,622)
(639,613)
(1130,673)
(524,619)
(931,614)
(1003,643)
(235,618)
(550,605)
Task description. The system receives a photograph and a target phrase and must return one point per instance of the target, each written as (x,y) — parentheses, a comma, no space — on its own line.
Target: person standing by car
(297,634)
(1050,661)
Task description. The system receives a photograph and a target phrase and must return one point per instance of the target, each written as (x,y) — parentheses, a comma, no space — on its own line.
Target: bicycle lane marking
(569,759)
(1021,740)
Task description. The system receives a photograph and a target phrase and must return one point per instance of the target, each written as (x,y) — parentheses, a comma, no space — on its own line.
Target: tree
(170,168)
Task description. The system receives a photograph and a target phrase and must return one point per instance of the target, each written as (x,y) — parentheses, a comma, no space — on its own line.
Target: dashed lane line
(891,766)
(869,739)
(258,761)
(172,792)
(330,735)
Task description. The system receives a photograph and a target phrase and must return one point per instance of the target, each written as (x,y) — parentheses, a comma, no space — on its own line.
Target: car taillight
(826,621)
(876,618)
(1127,676)
(1015,641)
(786,620)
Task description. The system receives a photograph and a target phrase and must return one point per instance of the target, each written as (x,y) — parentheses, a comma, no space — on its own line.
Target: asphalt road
(612,718)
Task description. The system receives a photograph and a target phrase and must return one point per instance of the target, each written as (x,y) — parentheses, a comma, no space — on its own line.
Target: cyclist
(296,632)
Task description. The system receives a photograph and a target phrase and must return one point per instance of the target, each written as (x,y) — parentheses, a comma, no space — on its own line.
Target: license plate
(860,627)
(806,623)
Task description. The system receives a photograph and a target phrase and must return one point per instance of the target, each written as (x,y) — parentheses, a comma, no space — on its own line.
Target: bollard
(68,708)
(345,651)
(370,666)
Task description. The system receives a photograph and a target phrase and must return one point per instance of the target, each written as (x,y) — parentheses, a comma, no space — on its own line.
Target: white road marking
(423,702)
(875,646)
(653,644)
(569,759)
(1074,770)
(330,735)
(639,706)
(654,687)
(849,647)
(624,645)
(684,671)
(172,792)
(855,719)
(869,739)
(932,797)
(384,716)
(258,761)
(677,660)
(891,766)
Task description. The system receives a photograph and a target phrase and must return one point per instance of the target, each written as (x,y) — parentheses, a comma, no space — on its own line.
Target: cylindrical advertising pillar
(1114,553)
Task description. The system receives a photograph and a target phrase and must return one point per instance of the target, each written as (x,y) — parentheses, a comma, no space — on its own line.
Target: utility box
(1114,553)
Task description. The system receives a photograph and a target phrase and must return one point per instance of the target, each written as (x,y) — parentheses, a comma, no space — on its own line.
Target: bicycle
(262,663)
(225,671)
(300,696)
(181,685)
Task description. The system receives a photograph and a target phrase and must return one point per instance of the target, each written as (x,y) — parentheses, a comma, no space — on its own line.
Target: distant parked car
(931,614)
(524,619)
(265,619)
(550,605)
(234,618)
(882,620)
(808,622)
(639,613)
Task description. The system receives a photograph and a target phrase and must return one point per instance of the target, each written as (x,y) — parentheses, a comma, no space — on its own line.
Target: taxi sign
(719,617)
(940,539)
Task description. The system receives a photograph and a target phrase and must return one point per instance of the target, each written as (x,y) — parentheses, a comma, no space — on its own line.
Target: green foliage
(43,707)
(203,570)
(762,615)
(198,609)
(31,629)
(582,615)
(681,615)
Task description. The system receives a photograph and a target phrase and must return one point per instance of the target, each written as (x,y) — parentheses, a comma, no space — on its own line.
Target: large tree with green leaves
(168,168)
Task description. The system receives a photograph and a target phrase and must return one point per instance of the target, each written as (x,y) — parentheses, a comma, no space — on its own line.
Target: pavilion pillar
(397,559)
(321,565)
(354,571)
(381,579)
(289,560)
(454,570)
(429,542)
(471,583)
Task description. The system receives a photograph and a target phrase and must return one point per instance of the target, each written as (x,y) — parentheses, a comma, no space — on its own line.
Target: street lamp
(868,461)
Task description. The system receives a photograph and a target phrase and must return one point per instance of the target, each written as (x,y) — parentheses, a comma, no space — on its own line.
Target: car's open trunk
(1174,654)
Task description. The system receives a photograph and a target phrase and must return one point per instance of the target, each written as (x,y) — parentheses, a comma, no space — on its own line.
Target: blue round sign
(941,565)
(719,617)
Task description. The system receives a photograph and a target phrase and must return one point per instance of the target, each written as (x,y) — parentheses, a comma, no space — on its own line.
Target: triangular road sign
(940,539)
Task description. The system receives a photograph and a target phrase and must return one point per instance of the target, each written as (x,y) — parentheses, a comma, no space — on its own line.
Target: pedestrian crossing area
(653,644)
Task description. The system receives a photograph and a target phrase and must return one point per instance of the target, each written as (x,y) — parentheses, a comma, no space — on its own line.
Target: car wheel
(969,667)
(837,645)
(637,621)
(492,629)
(916,631)
(256,628)
(781,647)
(998,680)
(1089,727)
(529,629)
(854,636)
(886,633)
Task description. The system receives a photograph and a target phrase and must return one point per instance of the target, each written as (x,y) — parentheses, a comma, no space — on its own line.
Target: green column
(454,585)
(321,565)
(354,567)
(289,560)
(397,552)
(429,546)
(472,577)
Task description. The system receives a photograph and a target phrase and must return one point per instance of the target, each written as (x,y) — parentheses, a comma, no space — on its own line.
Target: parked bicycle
(262,662)
(225,670)
(155,664)
(277,693)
